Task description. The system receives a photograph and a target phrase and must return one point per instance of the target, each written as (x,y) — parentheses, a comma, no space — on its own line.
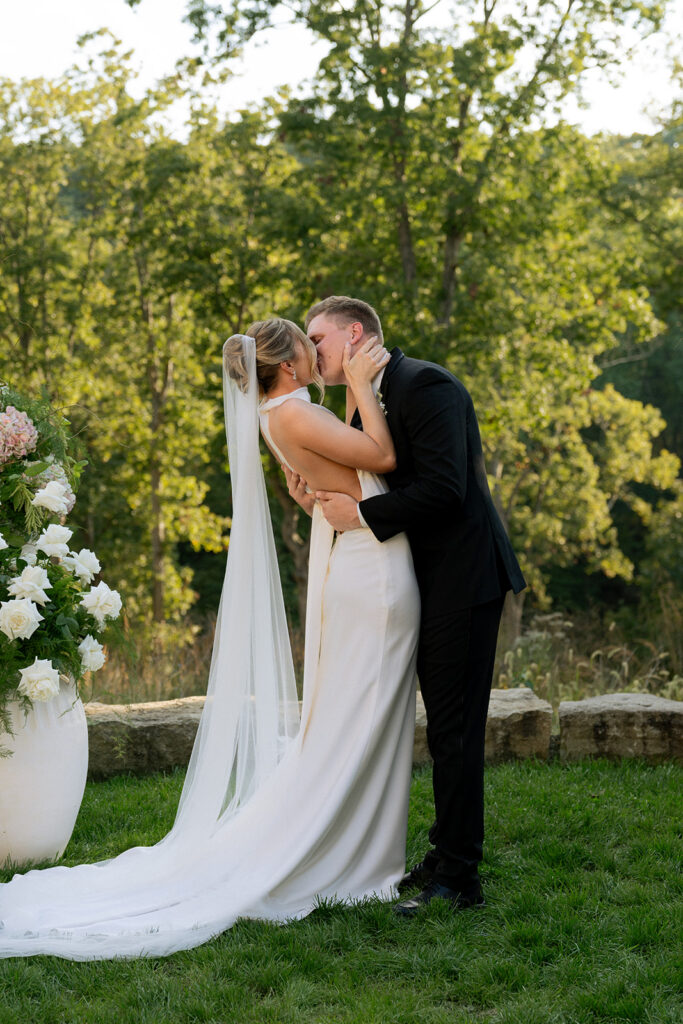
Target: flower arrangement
(52,617)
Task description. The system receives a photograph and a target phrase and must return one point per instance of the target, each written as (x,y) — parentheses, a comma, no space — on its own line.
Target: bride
(276,813)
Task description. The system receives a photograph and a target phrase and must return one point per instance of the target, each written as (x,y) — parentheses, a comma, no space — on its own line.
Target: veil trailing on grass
(273,817)
(251,709)
(151,901)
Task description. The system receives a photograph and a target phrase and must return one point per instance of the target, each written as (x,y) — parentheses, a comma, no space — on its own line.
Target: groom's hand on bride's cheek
(340,510)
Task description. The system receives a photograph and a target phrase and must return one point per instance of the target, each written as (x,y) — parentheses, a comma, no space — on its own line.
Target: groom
(438,494)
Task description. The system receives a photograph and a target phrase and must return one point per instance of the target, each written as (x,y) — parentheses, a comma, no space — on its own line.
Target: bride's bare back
(325,451)
(316,444)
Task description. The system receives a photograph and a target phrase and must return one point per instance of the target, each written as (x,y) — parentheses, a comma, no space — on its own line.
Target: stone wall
(141,738)
(620,725)
(158,736)
(518,725)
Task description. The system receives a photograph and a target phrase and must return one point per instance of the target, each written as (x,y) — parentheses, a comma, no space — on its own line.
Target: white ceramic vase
(42,783)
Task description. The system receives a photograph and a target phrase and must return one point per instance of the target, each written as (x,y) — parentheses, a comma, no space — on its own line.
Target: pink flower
(18,436)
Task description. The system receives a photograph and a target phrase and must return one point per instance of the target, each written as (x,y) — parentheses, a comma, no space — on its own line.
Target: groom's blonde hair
(345,310)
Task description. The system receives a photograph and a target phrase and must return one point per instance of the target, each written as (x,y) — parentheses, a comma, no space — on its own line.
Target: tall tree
(128,256)
(94,310)
(641,196)
(454,205)
(408,99)
(45,274)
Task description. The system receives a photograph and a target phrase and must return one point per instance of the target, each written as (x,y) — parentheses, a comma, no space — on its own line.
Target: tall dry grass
(558,657)
(164,666)
(564,659)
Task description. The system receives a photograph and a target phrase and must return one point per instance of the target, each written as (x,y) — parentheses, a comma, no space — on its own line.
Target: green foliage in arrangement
(421,169)
(581,925)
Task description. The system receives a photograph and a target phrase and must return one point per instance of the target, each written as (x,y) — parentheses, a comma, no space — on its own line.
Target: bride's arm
(315,430)
(351,406)
(360,370)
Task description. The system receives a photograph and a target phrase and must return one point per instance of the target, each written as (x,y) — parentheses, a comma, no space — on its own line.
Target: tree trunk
(399,148)
(157,399)
(405,244)
(157,538)
(511,621)
(450,263)
(90,528)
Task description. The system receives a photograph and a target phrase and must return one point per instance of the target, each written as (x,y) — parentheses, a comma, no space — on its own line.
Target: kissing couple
(409,564)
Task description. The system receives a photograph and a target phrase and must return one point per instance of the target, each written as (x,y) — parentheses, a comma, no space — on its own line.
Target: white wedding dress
(303,811)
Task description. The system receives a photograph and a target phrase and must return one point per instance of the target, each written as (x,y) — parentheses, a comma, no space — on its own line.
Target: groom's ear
(356,329)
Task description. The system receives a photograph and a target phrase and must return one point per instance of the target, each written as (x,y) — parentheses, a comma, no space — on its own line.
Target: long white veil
(251,710)
(152,900)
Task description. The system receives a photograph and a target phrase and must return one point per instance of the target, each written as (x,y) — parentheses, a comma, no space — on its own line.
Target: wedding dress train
(275,814)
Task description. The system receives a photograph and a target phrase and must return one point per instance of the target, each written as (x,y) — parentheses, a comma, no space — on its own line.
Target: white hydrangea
(3,543)
(40,681)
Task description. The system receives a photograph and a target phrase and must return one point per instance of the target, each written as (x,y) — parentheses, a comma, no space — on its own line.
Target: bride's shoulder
(299,415)
(297,408)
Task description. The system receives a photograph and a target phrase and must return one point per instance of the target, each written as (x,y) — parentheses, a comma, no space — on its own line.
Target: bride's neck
(283,387)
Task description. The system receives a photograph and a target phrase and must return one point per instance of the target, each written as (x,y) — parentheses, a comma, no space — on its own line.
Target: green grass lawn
(583,922)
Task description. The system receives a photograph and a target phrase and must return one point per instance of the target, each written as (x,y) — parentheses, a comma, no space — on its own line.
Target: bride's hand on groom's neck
(362,365)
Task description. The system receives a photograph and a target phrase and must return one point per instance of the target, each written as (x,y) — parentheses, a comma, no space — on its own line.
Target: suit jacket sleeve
(434,413)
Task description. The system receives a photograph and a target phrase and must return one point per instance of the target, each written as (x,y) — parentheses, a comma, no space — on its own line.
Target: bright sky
(38,39)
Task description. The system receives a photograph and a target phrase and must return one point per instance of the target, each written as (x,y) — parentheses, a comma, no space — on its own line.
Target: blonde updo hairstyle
(276,341)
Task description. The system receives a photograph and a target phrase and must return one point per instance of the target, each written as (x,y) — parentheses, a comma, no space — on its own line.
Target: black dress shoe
(417,878)
(434,890)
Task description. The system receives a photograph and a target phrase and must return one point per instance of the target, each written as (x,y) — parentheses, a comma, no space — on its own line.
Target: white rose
(40,681)
(92,654)
(84,564)
(29,553)
(3,543)
(54,540)
(102,602)
(19,619)
(32,583)
(52,497)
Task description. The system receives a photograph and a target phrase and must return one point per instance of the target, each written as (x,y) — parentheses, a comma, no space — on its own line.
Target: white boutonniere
(380,399)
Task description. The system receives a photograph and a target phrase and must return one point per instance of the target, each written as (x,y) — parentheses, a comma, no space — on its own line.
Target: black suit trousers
(455,669)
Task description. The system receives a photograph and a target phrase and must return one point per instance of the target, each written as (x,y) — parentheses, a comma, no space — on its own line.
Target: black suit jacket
(438,493)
